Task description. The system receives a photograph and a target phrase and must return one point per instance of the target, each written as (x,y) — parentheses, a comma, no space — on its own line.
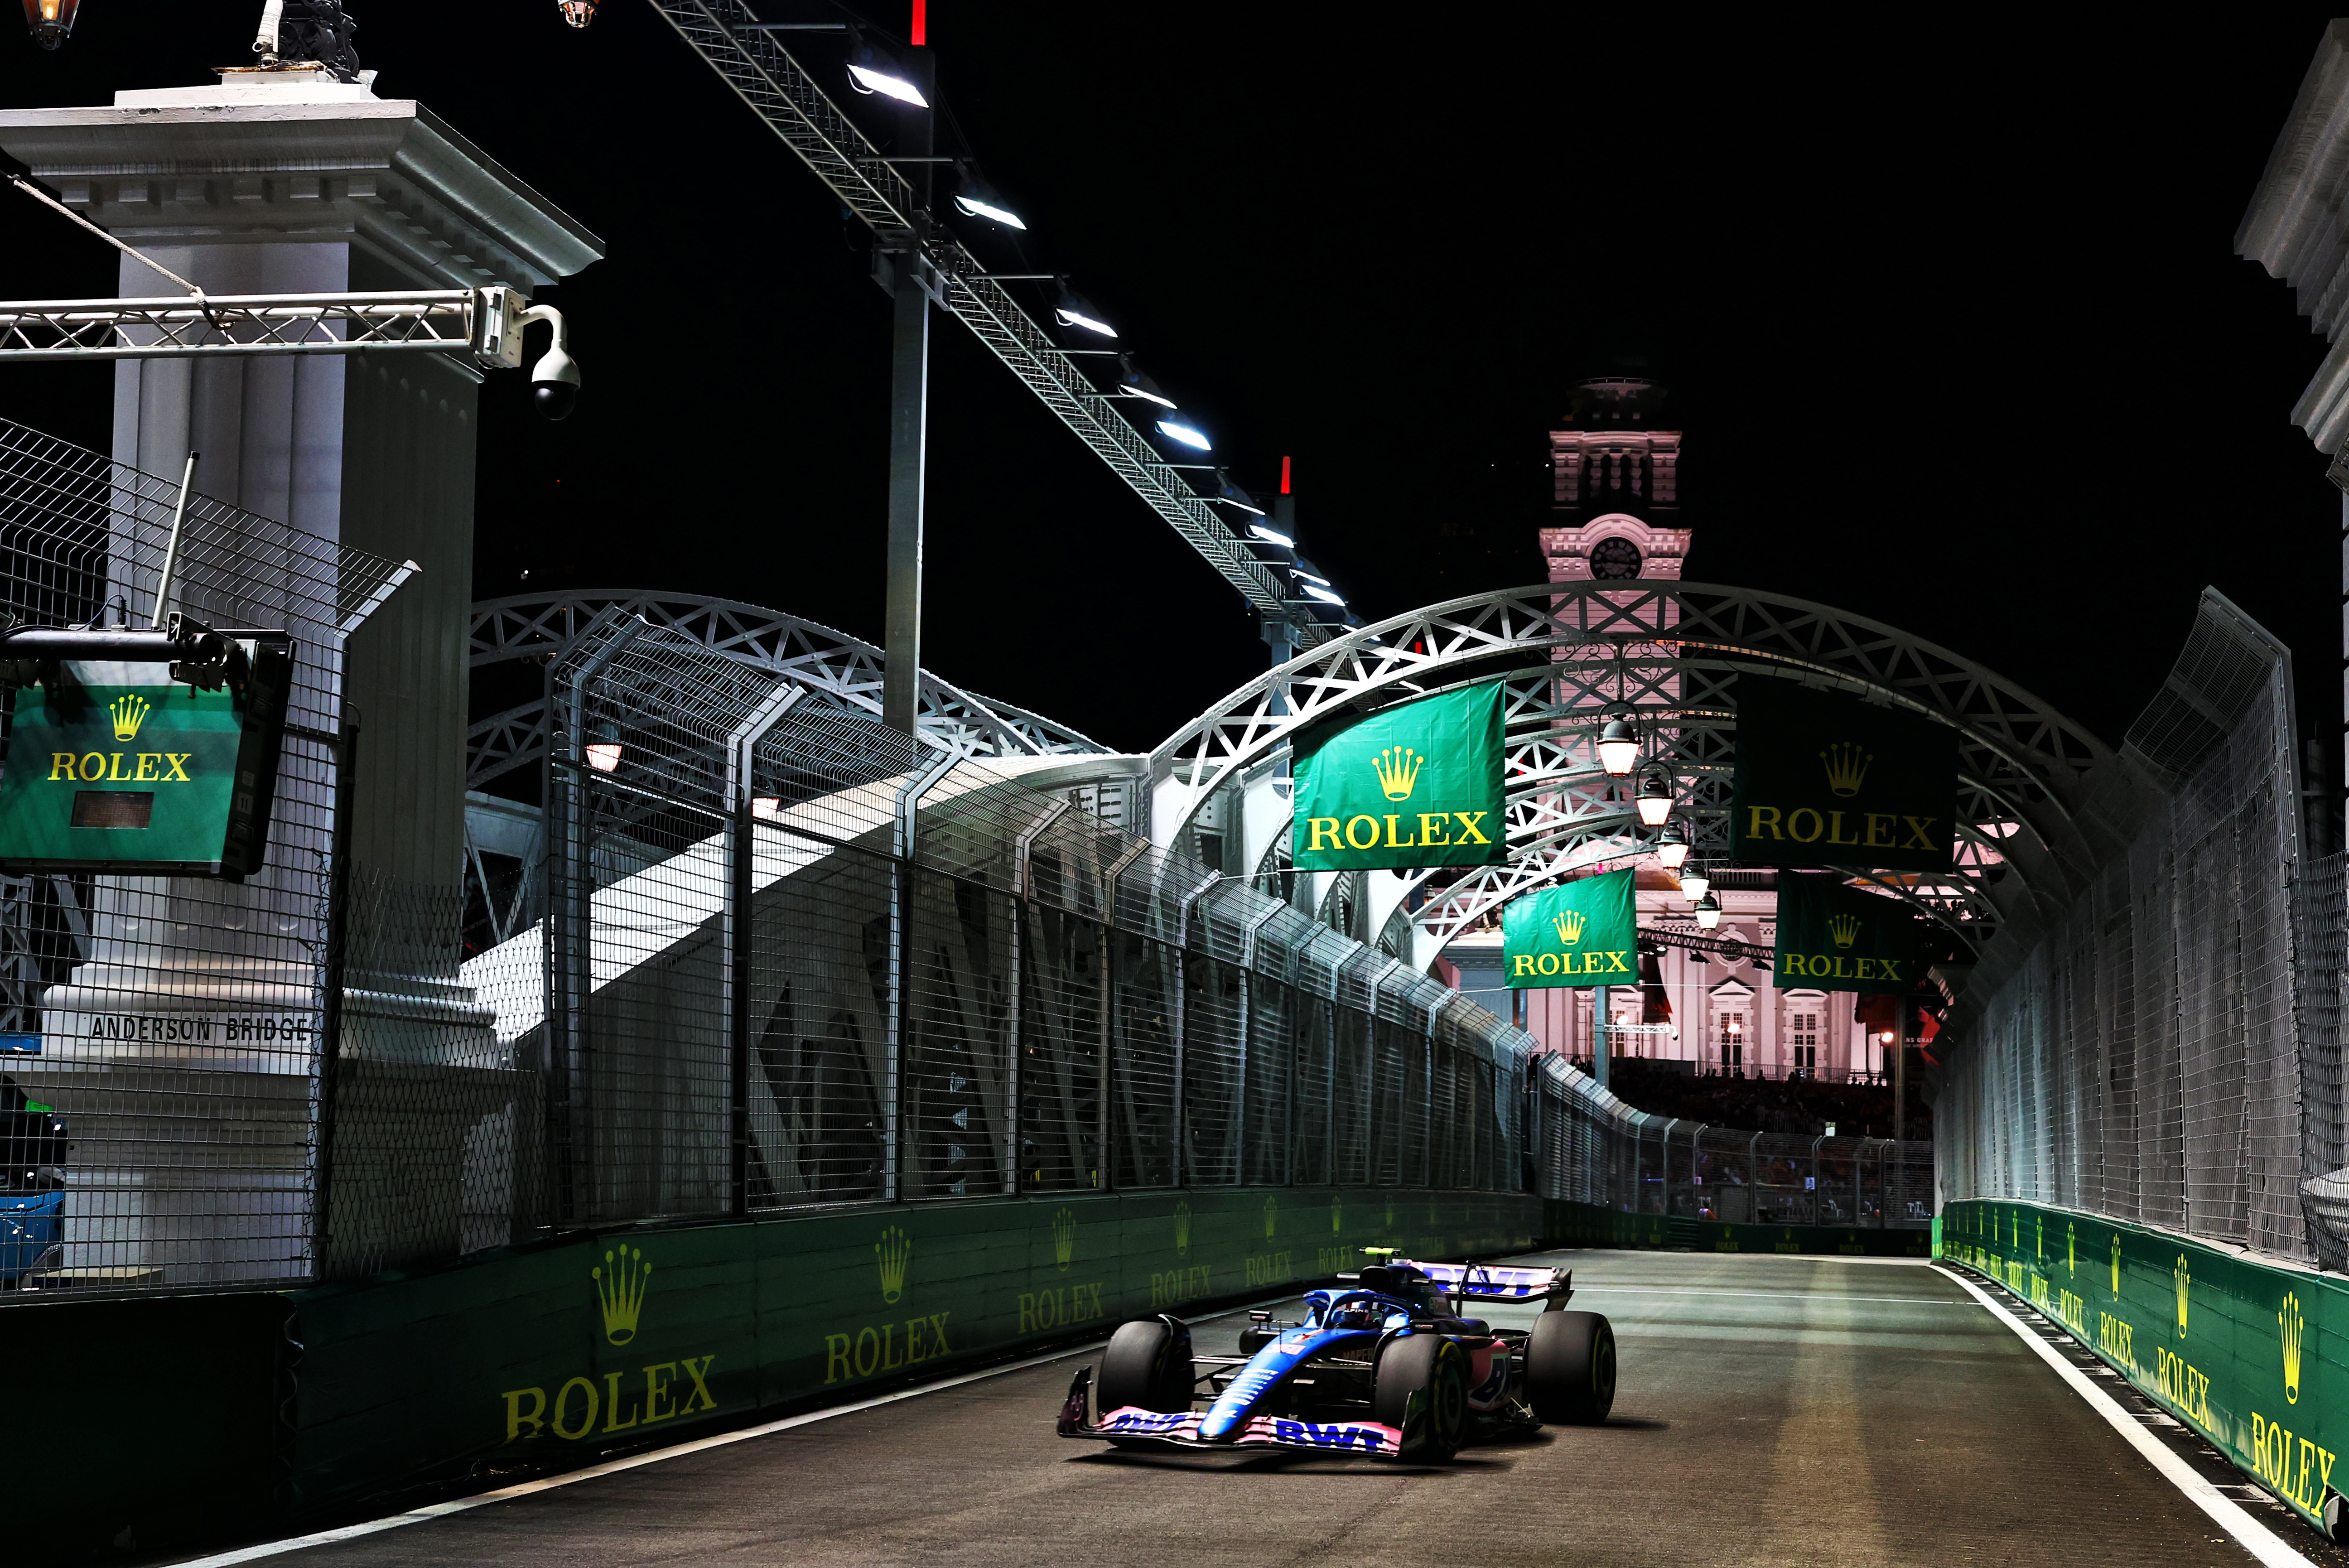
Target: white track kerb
(2230,1515)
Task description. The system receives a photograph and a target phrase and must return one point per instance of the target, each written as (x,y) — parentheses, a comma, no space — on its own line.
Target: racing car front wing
(1182,1430)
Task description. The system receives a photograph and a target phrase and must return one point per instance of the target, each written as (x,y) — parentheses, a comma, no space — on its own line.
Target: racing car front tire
(1571,1367)
(1435,1367)
(1148,1366)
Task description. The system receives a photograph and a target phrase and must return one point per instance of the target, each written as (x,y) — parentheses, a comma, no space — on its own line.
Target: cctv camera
(554,385)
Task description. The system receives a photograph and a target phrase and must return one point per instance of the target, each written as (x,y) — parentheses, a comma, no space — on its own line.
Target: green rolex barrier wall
(2252,1356)
(549,1353)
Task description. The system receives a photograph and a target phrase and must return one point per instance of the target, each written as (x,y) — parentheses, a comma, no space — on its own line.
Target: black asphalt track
(1772,1411)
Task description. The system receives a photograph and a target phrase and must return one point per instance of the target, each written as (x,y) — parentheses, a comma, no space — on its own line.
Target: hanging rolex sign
(1578,934)
(1415,784)
(1823,779)
(117,767)
(1833,938)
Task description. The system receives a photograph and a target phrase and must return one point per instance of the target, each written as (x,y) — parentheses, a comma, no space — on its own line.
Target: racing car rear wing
(1493,1283)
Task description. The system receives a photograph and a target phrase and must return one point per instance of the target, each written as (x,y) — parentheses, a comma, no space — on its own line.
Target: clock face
(1617,557)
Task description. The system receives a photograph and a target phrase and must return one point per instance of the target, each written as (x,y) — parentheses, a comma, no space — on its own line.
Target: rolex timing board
(1384,1365)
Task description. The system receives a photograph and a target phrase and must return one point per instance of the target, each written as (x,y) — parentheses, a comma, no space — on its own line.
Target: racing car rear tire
(1571,1367)
(1435,1367)
(1148,1365)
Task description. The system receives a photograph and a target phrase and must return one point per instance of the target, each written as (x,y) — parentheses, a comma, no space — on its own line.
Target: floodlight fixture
(1248,506)
(872,71)
(50,20)
(1886,1037)
(1708,911)
(604,751)
(1695,882)
(1175,430)
(977,199)
(1258,532)
(1672,848)
(1655,798)
(1302,573)
(1324,595)
(766,807)
(1076,310)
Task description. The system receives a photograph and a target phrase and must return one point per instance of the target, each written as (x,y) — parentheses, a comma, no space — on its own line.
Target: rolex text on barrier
(1839,939)
(1580,934)
(1415,784)
(109,769)
(1828,780)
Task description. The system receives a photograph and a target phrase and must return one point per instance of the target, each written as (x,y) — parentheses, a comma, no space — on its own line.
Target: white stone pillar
(286,184)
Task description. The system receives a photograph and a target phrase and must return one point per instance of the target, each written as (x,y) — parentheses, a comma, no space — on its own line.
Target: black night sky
(1949,309)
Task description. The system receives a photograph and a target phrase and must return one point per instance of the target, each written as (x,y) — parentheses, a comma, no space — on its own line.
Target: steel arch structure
(2027,832)
(837,670)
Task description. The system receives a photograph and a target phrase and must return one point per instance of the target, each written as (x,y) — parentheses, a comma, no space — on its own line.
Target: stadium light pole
(909,419)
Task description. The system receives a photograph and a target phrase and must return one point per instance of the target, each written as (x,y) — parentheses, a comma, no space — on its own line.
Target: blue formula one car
(1384,1365)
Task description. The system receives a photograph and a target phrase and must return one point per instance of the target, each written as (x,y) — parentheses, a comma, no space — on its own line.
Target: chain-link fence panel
(2164,1050)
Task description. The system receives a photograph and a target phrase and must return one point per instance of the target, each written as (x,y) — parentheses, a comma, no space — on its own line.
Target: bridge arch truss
(2027,832)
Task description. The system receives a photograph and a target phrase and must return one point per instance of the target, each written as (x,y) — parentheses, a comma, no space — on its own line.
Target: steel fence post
(1183,1020)
(330,1002)
(1022,847)
(734,933)
(904,841)
(570,934)
(1248,1026)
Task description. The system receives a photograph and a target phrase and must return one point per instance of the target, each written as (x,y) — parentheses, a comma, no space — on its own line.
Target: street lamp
(1672,848)
(604,751)
(1695,882)
(1708,911)
(1655,798)
(1618,742)
(50,20)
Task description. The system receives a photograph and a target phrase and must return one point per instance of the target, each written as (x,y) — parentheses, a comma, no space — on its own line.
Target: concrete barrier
(552,1354)
(2248,1352)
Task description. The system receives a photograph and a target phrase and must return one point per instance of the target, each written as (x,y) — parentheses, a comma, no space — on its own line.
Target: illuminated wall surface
(2248,1354)
(638,1333)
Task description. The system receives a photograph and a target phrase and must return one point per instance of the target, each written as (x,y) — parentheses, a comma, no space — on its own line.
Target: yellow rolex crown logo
(1569,924)
(1845,929)
(1064,1236)
(2294,1329)
(129,711)
(1847,765)
(620,1286)
(1398,770)
(1337,1214)
(2184,1278)
(1182,1226)
(1271,1213)
(2116,1265)
(895,1249)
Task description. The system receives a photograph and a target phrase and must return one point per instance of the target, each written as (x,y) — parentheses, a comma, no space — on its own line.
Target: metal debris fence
(1594,1148)
(172,1022)
(794,958)
(2167,1050)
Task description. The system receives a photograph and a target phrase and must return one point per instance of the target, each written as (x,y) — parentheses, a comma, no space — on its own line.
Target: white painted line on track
(2230,1515)
(1761,1296)
(613,1466)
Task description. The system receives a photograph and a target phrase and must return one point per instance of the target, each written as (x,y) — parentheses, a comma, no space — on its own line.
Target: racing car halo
(1384,1365)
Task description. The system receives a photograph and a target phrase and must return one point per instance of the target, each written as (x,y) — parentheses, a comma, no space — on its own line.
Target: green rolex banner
(1578,934)
(1415,784)
(1828,780)
(1838,939)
